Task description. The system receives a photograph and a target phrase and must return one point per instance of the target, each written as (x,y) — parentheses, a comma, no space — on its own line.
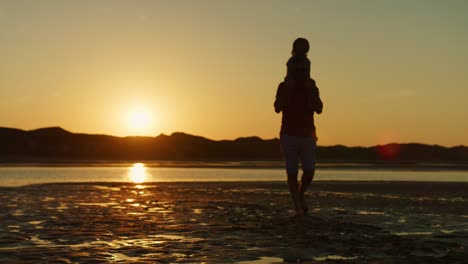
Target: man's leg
(290,150)
(293,189)
(306,179)
(308,150)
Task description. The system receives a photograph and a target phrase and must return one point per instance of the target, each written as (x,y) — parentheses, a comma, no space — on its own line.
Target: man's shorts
(298,148)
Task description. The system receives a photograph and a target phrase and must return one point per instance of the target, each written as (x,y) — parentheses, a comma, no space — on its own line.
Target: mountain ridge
(56,143)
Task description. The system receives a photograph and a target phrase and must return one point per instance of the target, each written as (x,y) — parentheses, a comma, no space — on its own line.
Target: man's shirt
(298,115)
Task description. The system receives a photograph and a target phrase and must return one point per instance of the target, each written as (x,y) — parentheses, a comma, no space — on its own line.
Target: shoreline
(341,184)
(417,166)
(263,182)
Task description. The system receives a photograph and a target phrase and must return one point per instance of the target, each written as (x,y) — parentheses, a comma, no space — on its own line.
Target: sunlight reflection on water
(137,173)
(141,173)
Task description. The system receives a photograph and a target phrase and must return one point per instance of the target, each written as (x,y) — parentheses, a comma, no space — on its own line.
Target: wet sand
(349,222)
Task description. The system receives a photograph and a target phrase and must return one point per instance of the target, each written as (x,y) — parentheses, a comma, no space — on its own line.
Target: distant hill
(55,144)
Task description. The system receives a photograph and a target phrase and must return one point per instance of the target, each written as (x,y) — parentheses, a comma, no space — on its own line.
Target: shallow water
(138,173)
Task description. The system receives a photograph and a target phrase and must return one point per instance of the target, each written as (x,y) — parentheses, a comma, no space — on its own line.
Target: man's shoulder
(296,61)
(283,83)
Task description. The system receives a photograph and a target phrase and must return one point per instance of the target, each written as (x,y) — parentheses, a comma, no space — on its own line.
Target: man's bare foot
(299,213)
(303,205)
(305,209)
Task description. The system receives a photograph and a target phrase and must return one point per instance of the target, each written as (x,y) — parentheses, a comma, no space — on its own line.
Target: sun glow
(139,121)
(137,173)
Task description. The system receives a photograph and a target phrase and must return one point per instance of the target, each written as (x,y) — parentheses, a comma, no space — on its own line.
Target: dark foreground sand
(350,222)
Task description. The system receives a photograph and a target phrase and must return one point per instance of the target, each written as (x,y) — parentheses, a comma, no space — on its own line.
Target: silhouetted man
(298,137)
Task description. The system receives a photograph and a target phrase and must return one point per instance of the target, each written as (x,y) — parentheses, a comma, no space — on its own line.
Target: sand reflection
(137,173)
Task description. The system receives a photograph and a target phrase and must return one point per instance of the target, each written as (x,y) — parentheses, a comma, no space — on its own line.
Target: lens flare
(389,151)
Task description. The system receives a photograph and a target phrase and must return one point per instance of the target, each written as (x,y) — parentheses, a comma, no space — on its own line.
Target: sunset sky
(388,71)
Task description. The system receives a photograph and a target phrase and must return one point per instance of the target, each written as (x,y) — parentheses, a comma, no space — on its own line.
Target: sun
(139,120)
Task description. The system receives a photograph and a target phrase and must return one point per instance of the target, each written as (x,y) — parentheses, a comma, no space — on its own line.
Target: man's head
(300,47)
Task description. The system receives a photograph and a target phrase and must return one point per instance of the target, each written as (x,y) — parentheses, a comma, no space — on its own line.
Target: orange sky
(388,71)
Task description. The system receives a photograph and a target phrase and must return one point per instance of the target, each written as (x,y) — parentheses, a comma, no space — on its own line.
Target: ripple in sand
(447,231)
(135,213)
(107,188)
(263,260)
(48,199)
(35,222)
(97,204)
(338,209)
(18,213)
(116,243)
(369,213)
(440,199)
(80,254)
(159,210)
(173,237)
(40,242)
(62,207)
(180,238)
(333,257)
(412,233)
(122,257)
(254,248)
(14,228)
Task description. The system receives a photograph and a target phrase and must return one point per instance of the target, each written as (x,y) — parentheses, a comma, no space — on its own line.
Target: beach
(234,222)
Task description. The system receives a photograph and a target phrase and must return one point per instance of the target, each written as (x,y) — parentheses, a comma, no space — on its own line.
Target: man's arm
(318,104)
(279,104)
(314,101)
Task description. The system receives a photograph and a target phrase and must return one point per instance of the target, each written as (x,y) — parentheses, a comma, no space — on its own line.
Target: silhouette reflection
(137,173)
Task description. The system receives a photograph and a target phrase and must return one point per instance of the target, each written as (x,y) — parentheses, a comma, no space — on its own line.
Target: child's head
(300,47)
